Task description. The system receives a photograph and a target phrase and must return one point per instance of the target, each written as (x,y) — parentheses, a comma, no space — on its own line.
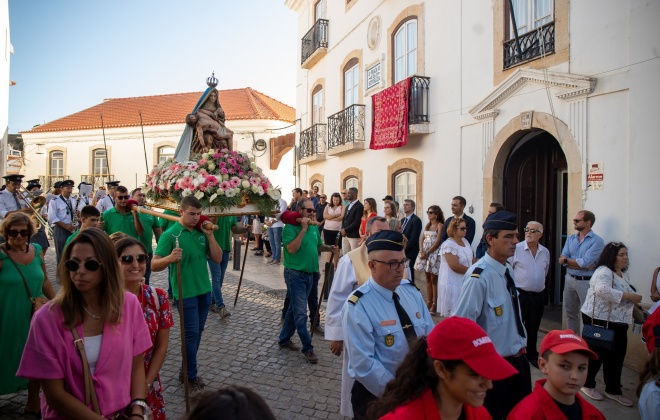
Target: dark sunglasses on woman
(90,265)
(14,233)
(128,259)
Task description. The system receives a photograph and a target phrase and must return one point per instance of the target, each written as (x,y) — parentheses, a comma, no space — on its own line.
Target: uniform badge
(389,340)
(418,315)
(388,323)
(498,311)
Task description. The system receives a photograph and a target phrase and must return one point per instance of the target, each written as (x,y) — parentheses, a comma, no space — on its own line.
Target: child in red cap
(445,375)
(565,361)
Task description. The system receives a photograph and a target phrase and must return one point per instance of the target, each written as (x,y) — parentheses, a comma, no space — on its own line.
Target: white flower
(211,166)
(230,193)
(213,197)
(199,195)
(186,173)
(196,183)
(245,184)
(237,190)
(211,152)
(260,190)
(205,155)
(253,165)
(255,189)
(225,177)
(221,191)
(274,193)
(186,192)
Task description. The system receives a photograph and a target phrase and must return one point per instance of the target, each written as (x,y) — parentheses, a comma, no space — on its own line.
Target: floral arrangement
(220,178)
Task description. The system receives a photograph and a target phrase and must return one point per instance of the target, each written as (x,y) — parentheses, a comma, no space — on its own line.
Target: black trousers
(360,400)
(612,359)
(531,308)
(508,392)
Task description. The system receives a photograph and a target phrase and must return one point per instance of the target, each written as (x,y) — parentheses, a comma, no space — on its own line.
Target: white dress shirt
(530,270)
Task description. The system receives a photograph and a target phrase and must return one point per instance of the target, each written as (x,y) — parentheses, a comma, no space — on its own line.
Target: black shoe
(534,361)
(311,357)
(289,345)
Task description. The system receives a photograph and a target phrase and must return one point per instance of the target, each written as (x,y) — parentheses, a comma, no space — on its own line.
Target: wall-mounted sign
(595,176)
(373,76)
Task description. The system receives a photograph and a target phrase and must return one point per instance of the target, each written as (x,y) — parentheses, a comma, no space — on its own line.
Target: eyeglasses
(123,197)
(128,259)
(14,233)
(431,212)
(395,265)
(576,221)
(462,228)
(310,210)
(90,265)
(530,230)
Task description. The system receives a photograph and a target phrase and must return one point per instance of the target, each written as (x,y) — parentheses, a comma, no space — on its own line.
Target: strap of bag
(154,296)
(593,308)
(90,392)
(27,288)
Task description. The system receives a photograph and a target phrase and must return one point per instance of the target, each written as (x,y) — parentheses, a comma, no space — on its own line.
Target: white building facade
(5,83)
(556,118)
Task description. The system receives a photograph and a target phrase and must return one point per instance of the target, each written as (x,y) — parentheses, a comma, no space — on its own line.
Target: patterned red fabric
(390,120)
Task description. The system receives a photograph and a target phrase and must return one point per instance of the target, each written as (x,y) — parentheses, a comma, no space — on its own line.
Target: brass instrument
(35,202)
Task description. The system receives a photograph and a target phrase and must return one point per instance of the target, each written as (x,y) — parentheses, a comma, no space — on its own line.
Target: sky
(70,55)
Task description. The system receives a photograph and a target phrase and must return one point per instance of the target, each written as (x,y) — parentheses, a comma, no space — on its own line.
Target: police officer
(490,298)
(379,320)
(108,201)
(61,211)
(11,199)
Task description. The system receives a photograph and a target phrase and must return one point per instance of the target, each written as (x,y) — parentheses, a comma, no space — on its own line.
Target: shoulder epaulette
(412,284)
(355,297)
(476,273)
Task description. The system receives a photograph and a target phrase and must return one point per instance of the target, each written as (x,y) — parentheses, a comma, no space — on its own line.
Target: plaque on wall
(526,120)
(373,76)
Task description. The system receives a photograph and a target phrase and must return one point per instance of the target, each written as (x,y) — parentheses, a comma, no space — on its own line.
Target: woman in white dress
(428,259)
(457,256)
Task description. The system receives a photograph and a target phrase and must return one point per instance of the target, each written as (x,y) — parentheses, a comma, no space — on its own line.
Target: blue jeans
(275,239)
(312,300)
(195,311)
(299,285)
(218,271)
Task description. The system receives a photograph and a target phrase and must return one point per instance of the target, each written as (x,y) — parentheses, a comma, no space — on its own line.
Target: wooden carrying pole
(240,279)
(182,330)
(207,224)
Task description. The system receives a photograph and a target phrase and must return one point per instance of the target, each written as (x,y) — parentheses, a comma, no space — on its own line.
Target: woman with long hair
(91,318)
(457,256)
(133,260)
(22,268)
(333,214)
(437,380)
(391,216)
(370,210)
(428,259)
(609,303)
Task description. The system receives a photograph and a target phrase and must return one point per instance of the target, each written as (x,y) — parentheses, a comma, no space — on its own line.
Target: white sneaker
(592,393)
(620,399)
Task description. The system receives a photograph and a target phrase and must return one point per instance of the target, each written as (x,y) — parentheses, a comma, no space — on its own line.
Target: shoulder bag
(37,302)
(595,335)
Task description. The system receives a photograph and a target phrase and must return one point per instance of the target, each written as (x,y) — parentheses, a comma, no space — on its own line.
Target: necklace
(95,317)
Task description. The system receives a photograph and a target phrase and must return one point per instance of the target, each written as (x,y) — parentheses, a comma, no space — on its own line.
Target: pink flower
(202,187)
(250,173)
(234,181)
(225,185)
(254,181)
(177,187)
(231,170)
(224,171)
(232,162)
(211,181)
(241,173)
(222,164)
(216,155)
(202,161)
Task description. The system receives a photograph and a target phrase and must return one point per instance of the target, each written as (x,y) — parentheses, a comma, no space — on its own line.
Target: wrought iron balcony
(418,109)
(530,45)
(97,180)
(346,127)
(312,142)
(47,181)
(314,43)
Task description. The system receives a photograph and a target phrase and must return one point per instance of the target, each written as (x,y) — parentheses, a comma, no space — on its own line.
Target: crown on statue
(212,81)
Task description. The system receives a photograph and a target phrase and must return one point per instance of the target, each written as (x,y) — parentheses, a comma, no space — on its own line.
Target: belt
(580,277)
(521,352)
(528,292)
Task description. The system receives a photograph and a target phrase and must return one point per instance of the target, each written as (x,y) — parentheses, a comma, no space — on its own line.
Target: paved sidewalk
(242,349)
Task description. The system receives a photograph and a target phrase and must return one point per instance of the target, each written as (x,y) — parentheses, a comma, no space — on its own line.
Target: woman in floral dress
(156,307)
(428,259)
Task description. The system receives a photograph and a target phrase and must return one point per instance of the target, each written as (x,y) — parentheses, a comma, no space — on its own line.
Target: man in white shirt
(275,227)
(530,265)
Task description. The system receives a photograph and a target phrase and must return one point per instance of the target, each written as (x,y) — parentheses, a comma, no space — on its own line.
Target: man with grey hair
(530,263)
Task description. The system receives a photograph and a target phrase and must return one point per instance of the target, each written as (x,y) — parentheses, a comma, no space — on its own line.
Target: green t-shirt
(114,221)
(195,276)
(70,238)
(223,234)
(307,258)
(165,223)
(148,222)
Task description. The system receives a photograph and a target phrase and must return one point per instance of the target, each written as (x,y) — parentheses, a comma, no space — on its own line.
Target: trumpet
(35,204)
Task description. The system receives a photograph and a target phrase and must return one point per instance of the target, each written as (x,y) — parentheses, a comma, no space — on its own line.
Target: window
(319,10)
(529,15)
(405,50)
(405,186)
(100,162)
(56,163)
(318,113)
(165,153)
(351,81)
(351,182)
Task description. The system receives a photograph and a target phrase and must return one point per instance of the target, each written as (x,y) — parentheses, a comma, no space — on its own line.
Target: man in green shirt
(165,224)
(151,228)
(89,218)
(122,219)
(301,262)
(195,282)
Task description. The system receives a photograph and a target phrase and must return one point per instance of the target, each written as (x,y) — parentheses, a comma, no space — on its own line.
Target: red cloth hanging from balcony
(390,119)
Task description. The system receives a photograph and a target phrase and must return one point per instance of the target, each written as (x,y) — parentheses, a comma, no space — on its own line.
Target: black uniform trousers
(531,309)
(508,392)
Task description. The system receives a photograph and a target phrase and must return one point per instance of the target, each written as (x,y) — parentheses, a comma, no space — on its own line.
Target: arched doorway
(535,186)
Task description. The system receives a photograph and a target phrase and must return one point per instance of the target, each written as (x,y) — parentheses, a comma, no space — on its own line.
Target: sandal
(259,253)
(433,309)
(428,304)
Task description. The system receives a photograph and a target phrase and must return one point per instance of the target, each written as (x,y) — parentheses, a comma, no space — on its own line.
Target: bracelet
(141,402)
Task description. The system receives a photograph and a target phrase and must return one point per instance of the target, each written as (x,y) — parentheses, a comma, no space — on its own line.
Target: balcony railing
(530,45)
(418,110)
(315,38)
(312,141)
(47,181)
(97,180)
(346,126)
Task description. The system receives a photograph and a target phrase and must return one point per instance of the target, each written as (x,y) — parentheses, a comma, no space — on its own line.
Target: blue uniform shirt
(375,342)
(586,253)
(486,300)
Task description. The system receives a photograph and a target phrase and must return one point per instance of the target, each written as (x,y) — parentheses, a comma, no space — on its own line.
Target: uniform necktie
(18,204)
(406,323)
(511,286)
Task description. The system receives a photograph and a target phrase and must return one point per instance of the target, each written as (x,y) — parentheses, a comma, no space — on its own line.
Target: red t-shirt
(540,405)
(424,407)
(363,223)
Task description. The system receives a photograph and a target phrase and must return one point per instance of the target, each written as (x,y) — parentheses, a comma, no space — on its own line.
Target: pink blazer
(50,354)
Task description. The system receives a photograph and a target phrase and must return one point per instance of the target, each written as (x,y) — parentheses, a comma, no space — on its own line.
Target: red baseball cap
(651,331)
(565,341)
(458,338)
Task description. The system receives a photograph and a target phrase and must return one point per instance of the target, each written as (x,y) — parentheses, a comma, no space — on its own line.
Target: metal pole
(105,147)
(240,279)
(144,145)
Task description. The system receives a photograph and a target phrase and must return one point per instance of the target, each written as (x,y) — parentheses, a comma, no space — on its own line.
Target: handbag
(37,302)
(596,335)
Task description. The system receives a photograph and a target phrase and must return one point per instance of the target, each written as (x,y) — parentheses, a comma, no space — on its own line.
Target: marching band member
(62,216)
(83,199)
(11,199)
(108,201)
(39,237)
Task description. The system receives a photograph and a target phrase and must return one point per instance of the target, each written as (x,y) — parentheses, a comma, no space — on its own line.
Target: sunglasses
(310,210)
(128,259)
(14,233)
(123,197)
(90,265)
(462,228)
(530,230)
(430,212)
